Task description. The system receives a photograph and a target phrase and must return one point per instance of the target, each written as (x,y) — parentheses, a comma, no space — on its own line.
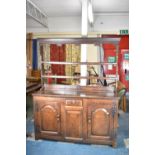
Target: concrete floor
(45,147)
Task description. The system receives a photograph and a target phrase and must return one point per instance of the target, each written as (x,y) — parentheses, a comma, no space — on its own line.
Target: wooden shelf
(77,77)
(97,41)
(76,63)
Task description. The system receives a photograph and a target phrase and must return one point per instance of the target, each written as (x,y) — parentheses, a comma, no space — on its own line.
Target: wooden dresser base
(81,119)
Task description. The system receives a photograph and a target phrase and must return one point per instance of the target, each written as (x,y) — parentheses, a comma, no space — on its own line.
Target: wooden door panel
(48,112)
(73,118)
(100,122)
(74,124)
(49,119)
(99,118)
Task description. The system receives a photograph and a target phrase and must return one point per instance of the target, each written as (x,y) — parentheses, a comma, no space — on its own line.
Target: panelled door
(99,116)
(49,116)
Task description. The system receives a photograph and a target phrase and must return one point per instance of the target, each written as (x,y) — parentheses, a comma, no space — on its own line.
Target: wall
(110,23)
(104,23)
(109,50)
(92,55)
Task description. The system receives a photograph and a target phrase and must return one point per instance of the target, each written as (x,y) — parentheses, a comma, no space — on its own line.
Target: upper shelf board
(80,40)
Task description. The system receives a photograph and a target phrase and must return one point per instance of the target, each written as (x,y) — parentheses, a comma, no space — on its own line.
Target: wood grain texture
(73,123)
(81,119)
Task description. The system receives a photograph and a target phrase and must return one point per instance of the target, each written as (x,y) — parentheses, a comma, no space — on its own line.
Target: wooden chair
(121,92)
(122,101)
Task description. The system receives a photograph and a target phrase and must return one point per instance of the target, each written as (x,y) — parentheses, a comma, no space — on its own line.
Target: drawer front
(73,103)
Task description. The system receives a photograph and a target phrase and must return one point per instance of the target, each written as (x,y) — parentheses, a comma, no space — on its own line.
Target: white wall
(102,24)
(110,23)
(92,55)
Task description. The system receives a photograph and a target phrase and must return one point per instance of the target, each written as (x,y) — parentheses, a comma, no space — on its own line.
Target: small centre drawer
(73,103)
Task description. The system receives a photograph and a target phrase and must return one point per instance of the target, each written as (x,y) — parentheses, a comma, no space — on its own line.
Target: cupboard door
(73,122)
(100,122)
(49,117)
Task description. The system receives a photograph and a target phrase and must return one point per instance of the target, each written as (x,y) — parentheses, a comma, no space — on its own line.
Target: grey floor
(45,147)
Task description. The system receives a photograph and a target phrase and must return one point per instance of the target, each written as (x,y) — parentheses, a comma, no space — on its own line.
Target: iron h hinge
(36,107)
(37,128)
(114,109)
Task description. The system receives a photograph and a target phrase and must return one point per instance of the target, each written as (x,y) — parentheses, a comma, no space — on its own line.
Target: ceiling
(62,8)
(73,7)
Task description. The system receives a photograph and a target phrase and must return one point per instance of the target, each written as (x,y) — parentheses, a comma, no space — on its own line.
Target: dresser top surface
(77,94)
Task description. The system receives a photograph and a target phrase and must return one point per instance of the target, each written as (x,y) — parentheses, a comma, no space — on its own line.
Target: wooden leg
(114,144)
(36,136)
